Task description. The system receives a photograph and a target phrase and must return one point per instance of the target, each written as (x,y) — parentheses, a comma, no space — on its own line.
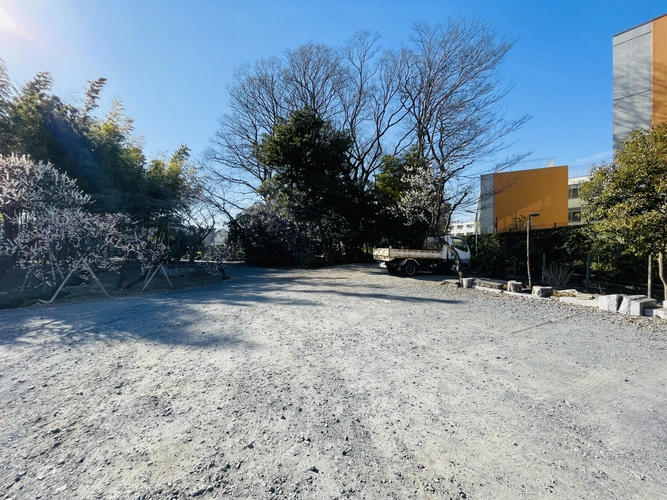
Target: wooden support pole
(151,278)
(147,278)
(649,292)
(25,281)
(166,275)
(94,276)
(54,262)
(53,270)
(62,285)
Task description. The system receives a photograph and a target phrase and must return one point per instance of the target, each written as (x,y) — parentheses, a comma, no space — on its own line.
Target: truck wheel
(409,269)
(392,270)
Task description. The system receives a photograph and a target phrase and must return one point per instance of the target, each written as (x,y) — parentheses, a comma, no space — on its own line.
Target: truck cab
(435,256)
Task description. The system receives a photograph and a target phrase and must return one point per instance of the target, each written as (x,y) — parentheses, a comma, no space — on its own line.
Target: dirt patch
(331,383)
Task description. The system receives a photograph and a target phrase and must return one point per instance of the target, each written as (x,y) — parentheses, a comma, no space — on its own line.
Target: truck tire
(409,268)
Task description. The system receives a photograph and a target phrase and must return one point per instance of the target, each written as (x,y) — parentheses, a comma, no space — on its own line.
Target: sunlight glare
(5,22)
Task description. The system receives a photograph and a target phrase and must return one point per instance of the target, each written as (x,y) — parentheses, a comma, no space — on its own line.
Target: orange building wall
(659,29)
(542,190)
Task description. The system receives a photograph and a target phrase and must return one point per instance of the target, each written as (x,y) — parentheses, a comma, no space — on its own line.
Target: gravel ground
(331,383)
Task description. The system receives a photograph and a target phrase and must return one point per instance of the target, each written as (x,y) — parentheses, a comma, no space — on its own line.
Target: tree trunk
(649,286)
(140,278)
(661,273)
(10,231)
(457,259)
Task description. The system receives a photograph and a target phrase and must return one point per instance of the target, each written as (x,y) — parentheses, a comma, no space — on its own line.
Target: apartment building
(508,198)
(640,78)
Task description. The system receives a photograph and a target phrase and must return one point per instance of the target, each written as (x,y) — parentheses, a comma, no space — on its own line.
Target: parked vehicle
(436,256)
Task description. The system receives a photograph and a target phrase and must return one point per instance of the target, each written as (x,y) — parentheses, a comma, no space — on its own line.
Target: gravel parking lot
(331,383)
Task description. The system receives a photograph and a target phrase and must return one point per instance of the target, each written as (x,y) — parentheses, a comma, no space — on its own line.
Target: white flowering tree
(29,194)
(47,229)
(151,252)
(216,256)
(421,201)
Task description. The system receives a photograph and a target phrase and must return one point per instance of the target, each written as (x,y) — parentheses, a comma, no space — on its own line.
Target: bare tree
(314,77)
(442,93)
(256,103)
(370,103)
(353,87)
(453,94)
(198,221)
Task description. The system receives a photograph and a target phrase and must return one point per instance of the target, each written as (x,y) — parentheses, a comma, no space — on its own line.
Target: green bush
(496,255)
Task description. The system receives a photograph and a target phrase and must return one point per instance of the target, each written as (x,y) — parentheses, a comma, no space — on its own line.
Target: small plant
(556,274)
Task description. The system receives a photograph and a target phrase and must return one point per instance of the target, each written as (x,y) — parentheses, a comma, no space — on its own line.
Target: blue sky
(169,61)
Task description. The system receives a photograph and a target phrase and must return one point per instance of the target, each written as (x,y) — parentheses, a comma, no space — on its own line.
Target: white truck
(436,256)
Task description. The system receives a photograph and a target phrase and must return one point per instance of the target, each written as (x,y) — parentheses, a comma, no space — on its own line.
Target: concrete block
(514,286)
(489,283)
(578,302)
(468,282)
(487,289)
(637,306)
(543,291)
(658,312)
(624,308)
(610,302)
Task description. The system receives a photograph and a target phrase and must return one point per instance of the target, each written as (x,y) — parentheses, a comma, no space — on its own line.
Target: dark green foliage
(488,256)
(271,237)
(103,157)
(628,197)
(101,154)
(497,255)
(390,226)
(313,210)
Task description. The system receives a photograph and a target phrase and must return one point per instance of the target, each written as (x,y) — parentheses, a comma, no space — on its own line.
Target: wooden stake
(148,275)
(25,281)
(53,270)
(151,278)
(88,268)
(166,276)
(55,262)
(71,271)
(649,293)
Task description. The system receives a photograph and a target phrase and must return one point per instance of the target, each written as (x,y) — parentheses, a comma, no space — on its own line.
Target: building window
(573,192)
(574,215)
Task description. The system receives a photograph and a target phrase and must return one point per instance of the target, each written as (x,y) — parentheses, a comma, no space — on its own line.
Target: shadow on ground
(192,317)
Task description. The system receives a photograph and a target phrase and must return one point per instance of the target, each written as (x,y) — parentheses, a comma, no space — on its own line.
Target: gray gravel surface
(331,383)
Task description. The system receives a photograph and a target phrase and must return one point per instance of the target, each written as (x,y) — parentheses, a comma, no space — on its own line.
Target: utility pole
(528,222)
